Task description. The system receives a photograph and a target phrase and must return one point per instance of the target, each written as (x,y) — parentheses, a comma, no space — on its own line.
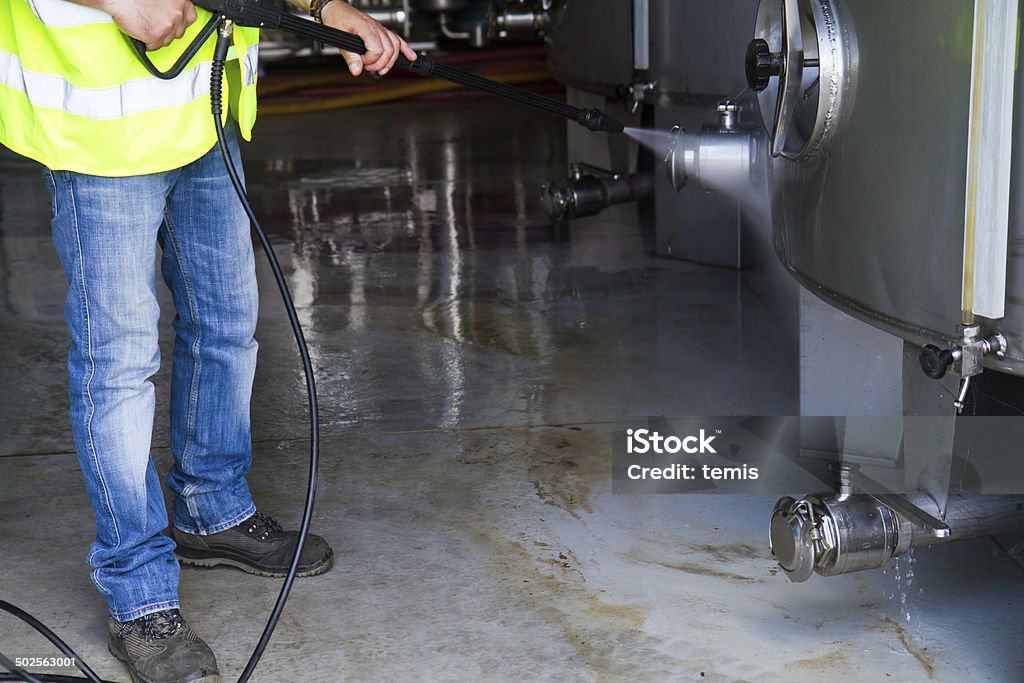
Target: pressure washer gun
(263,14)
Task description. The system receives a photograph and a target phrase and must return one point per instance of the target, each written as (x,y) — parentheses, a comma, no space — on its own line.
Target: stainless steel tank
(896,197)
(887,141)
(871,184)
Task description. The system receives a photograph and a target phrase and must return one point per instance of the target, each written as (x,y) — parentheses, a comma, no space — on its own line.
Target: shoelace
(161,625)
(263,525)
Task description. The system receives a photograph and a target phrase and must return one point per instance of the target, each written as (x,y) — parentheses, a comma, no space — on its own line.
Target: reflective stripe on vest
(74,95)
(58,13)
(55,92)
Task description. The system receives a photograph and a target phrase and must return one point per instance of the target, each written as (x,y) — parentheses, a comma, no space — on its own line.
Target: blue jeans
(106,231)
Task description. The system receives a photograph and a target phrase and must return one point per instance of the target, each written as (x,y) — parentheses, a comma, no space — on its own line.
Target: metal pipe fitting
(967,358)
(588,194)
(834,534)
(449,31)
(716,159)
(518,21)
(844,473)
(728,115)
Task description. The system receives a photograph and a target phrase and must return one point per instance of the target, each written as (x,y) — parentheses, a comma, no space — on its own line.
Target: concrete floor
(472,364)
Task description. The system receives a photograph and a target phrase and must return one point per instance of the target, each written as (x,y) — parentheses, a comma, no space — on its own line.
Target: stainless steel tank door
(800,63)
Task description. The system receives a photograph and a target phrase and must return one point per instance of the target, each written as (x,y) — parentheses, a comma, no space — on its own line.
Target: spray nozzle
(596,120)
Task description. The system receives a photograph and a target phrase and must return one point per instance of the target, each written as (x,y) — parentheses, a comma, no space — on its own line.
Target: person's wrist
(316,9)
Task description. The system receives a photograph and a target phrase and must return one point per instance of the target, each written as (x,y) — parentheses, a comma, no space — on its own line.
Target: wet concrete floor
(472,363)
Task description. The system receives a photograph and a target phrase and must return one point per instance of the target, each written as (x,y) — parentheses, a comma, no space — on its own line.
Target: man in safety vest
(129,161)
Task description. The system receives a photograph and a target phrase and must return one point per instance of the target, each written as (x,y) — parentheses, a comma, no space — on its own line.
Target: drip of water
(903,571)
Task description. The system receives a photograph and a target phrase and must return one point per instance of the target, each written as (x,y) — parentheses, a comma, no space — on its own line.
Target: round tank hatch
(799,63)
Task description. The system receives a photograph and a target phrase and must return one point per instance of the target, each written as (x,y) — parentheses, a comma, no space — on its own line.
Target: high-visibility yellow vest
(74,95)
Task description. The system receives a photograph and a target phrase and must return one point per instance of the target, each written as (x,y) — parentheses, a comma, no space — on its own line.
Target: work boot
(162,648)
(258,545)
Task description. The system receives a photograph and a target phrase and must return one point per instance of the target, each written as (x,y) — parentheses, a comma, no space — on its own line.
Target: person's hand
(382,46)
(155,22)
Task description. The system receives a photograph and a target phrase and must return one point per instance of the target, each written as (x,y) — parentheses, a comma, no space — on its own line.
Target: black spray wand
(263,14)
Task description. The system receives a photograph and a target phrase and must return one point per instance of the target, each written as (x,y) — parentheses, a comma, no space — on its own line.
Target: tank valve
(636,93)
(728,115)
(831,535)
(966,357)
(587,194)
(839,533)
(719,158)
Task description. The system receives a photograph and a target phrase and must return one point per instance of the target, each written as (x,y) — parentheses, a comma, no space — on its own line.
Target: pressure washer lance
(263,14)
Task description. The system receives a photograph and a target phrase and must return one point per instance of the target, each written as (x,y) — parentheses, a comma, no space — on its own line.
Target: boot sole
(250,569)
(121,657)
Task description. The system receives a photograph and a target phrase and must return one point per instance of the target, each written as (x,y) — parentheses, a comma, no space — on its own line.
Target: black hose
(219,57)
(16,670)
(186,56)
(39,626)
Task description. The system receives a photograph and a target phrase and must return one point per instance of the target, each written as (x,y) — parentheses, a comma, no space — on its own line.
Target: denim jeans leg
(105,232)
(208,266)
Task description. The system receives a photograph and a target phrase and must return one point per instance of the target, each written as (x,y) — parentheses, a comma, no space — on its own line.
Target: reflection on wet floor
(471,361)
(436,236)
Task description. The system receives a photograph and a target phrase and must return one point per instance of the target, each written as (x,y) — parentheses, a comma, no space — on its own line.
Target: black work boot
(258,545)
(162,648)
